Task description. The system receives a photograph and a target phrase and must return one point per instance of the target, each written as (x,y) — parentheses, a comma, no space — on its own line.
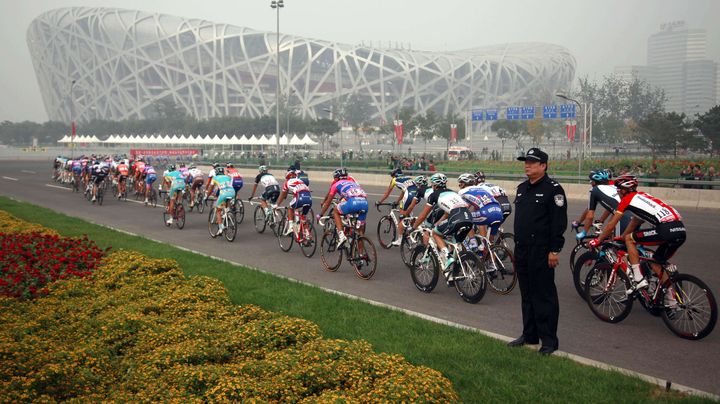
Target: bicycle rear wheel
(284,241)
(180,216)
(585,262)
(308,237)
(364,262)
(259,217)
(386,231)
(425,269)
(239,211)
(330,254)
(608,297)
(500,269)
(153,197)
(212,224)
(200,202)
(506,240)
(469,279)
(693,313)
(100,195)
(230,230)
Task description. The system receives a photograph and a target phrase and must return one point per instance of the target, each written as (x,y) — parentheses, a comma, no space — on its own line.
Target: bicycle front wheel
(585,262)
(230,230)
(285,241)
(364,259)
(386,231)
(690,308)
(406,251)
(330,254)
(606,293)
(259,217)
(500,269)
(100,195)
(469,278)
(425,269)
(308,239)
(239,211)
(212,224)
(180,216)
(506,240)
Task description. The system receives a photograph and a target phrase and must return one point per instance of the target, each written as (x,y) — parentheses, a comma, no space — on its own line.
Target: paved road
(641,342)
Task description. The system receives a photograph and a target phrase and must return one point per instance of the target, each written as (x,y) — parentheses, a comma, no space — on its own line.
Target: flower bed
(11,224)
(142,331)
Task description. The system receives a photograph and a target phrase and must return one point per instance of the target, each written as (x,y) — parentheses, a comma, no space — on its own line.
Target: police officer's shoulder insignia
(559,200)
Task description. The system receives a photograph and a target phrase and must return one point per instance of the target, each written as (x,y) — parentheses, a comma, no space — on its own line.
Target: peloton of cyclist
(603,192)
(497,192)
(100,170)
(150,178)
(455,219)
(195,179)
(668,232)
(223,183)
(176,183)
(302,198)
(234,174)
(485,210)
(353,199)
(408,189)
(272,188)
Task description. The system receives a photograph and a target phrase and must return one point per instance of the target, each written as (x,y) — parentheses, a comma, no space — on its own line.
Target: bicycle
(505,239)
(304,234)
(262,220)
(499,264)
(581,266)
(358,250)
(227,218)
(685,303)
(100,194)
(238,208)
(387,226)
(153,197)
(466,273)
(199,202)
(178,213)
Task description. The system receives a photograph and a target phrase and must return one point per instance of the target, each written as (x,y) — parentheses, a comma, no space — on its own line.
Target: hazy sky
(601,34)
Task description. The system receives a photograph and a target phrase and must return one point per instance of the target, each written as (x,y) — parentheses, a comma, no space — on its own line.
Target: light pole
(584,107)
(277,5)
(332,116)
(72,120)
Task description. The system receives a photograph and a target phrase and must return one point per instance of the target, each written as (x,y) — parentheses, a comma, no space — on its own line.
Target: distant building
(640,72)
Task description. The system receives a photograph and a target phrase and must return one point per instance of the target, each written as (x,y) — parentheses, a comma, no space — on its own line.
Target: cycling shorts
(176,188)
(458,224)
(225,194)
(302,200)
(354,205)
(489,215)
(237,184)
(408,195)
(99,178)
(505,205)
(122,178)
(197,182)
(271,193)
(667,236)
(77,170)
(150,179)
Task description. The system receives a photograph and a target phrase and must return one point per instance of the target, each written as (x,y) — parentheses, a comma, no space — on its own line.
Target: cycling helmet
(192,166)
(340,173)
(182,165)
(229,165)
(600,175)
(479,177)
(467,179)
(290,174)
(421,180)
(438,179)
(139,159)
(396,172)
(262,169)
(215,165)
(171,167)
(626,182)
(219,171)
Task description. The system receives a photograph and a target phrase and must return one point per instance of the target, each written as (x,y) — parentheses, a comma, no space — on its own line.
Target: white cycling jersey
(449,200)
(495,190)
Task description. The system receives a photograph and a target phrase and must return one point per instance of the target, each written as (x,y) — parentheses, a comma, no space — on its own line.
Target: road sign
(512,113)
(477,114)
(527,113)
(567,111)
(491,114)
(550,111)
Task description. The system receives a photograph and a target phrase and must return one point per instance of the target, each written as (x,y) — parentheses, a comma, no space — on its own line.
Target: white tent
(65,139)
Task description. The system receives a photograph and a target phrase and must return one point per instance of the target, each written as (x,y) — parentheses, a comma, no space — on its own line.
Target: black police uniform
(540,221)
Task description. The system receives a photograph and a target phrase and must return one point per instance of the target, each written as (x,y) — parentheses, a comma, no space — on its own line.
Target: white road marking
(58,187)
(10,178)
(28,171)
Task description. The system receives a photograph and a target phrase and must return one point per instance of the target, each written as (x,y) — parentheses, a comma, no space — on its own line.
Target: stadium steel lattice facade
(125,61)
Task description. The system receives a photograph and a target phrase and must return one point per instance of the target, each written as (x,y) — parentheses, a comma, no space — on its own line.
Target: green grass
(481,368)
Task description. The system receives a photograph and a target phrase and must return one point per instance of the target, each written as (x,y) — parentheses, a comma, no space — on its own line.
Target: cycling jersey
(500,196)
(266,180)
(607,196)
(295,186)
(477,196)
(196,173)
(123,170)
(353,198)
(301,194)
(303,177)
(459,220)
(401,182)
(486,210)
(648,208)
(225,187)
(447,200)
(139,167)
(177,181)
(237,179)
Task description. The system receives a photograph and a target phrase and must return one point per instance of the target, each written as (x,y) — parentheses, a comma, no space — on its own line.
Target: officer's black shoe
(521,341)
(546,350)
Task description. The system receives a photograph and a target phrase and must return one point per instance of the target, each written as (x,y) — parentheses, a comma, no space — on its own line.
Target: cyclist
(237,179)
(300,173)
(353,199)
(407,188)
(138,170)
(100,170)
(486,211)
(272,188)
(211,174)
(195,179)
(603,192)
(456,219)
(223,183)
(302,198)
(176,183)
(497,192)
(123,171)
(668,232)
(423,191)
(150,177)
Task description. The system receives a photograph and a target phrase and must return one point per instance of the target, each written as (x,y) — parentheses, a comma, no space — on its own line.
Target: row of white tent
(206,140)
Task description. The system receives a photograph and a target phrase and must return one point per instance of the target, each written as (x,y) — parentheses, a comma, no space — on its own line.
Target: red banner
(398,131)
(570,128)
(453,133)
(163,152)
(73,130)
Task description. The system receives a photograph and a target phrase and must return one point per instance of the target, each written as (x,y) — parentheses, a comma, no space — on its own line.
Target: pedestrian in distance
(540,221)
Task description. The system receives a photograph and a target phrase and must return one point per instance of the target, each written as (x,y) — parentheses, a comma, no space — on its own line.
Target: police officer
(540,220)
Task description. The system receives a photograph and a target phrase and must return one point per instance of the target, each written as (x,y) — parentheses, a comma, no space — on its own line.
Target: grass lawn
(481,368)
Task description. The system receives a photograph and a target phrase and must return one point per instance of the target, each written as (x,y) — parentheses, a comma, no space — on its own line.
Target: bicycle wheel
(330,254)
(100,195)
(386,231)
(607,295)
(693,313)
(285,241)
(180,216)
(469,278)
(425,270)
(230,230)
(212,224)
(260,222)
(166,216)
(500,269)
(506,240)
(153,197)
(584,263)
(406,251)
(364,259)
(308,237)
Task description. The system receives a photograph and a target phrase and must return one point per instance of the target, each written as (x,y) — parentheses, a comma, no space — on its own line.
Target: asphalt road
(641,342)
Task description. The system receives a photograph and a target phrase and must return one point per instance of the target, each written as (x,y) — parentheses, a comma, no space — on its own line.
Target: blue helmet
(601,176)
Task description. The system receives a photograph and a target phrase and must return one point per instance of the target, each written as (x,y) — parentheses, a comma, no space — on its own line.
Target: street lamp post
(72,120)
(332,116)
(277,5)
(584,107)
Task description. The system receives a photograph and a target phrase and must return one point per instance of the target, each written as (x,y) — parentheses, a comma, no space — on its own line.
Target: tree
(509,130)
(357,111)
(665,132)
(709,126)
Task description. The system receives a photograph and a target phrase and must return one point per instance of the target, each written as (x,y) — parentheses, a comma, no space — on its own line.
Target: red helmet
(627,182)
(290,174)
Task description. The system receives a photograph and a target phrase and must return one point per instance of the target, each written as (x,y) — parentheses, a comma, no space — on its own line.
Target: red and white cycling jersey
(294,186)
(648,208)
